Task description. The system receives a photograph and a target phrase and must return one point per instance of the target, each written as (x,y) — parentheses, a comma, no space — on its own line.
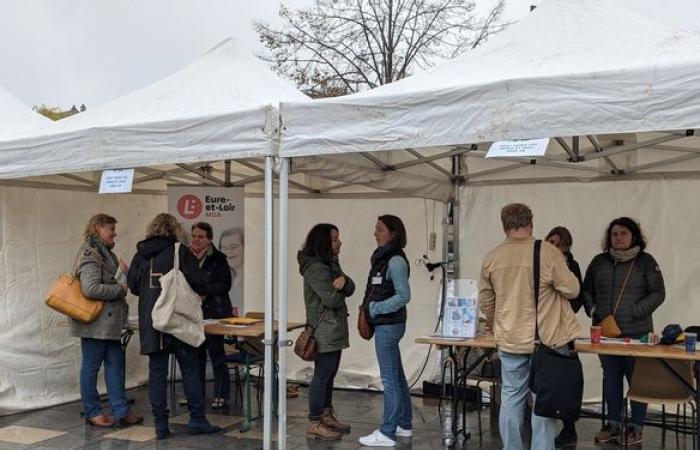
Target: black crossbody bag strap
(536,282)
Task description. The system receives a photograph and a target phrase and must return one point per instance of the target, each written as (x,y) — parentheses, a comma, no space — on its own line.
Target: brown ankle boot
(317,430)
(330,420)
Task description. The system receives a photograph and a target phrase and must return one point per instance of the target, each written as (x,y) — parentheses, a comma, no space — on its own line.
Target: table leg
(466,370)
(696,366)
(463,384)
(455,393)
(448,440)
(126,338)
(247,423)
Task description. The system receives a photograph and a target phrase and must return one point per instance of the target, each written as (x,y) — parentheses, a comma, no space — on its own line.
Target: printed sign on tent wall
(222,208)
(518,147)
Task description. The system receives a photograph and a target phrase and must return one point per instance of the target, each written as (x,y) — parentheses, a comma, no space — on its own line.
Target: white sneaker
(377,439)
(400,432)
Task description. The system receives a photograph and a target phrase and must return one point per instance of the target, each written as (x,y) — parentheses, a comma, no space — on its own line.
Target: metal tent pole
(282,302)
(269,338)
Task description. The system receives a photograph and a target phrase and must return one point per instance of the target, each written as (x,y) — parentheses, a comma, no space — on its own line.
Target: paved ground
(61,427)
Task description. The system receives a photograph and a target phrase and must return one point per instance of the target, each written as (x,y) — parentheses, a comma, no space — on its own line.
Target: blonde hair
(164,225)
(95,221)
(516,215)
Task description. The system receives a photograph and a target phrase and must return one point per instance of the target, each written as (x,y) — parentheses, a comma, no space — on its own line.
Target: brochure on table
(461,313)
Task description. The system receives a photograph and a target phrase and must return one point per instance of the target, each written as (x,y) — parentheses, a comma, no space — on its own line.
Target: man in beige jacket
(506,298)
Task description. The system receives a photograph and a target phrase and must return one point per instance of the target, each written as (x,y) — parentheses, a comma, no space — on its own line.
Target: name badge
(377,280)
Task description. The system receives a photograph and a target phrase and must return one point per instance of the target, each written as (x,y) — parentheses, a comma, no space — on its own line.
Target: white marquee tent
(570,68)
(16,117)
(598,76)
(613,85)
(220,107)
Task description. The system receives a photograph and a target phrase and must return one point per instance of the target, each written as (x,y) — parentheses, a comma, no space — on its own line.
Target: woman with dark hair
(216,305)
(103,277)
(155,257)
(386,297)
(325,289)
(560,237)
(624,282)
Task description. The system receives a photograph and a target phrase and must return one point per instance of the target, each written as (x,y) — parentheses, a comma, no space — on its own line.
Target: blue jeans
(515,376)
(397,399)
(188,359)
(95,352)
(615,368)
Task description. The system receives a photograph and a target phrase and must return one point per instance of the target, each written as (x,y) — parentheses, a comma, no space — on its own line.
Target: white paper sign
(518,147)
(116,181)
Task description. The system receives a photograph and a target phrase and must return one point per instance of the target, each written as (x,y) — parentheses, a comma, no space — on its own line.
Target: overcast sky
(60,52)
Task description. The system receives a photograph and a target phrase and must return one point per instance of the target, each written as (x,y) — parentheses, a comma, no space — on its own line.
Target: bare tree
(341,46)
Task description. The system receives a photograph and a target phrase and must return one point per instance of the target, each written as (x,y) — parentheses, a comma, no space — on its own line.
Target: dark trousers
(188,359)
(214,345)
(321,387)
(615,369)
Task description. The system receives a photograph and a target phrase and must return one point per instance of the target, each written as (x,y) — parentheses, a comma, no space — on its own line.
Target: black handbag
(556,378)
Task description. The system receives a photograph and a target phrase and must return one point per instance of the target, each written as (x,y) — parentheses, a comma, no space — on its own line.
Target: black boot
(567,436)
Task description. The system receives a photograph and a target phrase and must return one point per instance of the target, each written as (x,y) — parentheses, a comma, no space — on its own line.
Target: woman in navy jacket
(154,258)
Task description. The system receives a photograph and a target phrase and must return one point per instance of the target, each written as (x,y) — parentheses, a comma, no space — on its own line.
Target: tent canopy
(221,106)
(16,117)
(587,68)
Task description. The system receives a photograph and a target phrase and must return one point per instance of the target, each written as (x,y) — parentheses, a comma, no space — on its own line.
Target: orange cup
(596,333)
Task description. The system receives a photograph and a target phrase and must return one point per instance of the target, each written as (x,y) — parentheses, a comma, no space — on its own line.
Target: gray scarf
(104,250)
(625,255)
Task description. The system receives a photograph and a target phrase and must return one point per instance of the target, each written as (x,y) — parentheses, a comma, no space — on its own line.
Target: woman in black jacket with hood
(624,282)
(560,237)
(216,305)
(153,259)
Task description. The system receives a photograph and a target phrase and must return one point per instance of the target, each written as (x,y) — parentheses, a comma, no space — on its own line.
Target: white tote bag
(178,310)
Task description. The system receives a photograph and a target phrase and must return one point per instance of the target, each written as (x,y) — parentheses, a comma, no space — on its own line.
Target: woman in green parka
(325,290)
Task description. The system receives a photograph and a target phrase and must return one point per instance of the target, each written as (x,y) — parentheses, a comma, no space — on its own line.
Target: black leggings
(321,387)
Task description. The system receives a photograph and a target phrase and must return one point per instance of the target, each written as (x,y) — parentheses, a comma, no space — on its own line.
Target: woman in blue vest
(387,295)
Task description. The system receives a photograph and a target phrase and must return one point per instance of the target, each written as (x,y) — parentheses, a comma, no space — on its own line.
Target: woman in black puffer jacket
(626,282)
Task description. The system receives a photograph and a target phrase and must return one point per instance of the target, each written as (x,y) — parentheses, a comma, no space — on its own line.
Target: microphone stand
(431,267)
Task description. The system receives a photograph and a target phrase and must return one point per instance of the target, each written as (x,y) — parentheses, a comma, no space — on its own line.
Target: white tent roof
(572,67)
(222,106)
(16,117)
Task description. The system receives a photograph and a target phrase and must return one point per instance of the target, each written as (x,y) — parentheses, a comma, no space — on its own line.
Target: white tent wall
(355,219)
(661,206)
(40,232)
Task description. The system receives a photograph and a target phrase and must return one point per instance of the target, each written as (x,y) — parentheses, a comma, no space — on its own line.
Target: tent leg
(268,341)
(282,302)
